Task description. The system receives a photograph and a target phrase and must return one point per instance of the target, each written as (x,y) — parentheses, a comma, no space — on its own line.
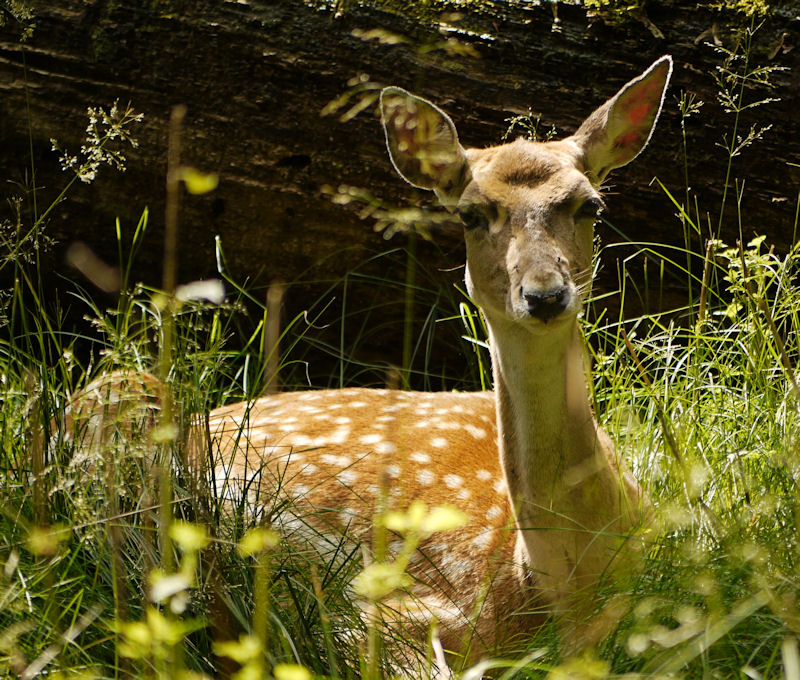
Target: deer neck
(548,438)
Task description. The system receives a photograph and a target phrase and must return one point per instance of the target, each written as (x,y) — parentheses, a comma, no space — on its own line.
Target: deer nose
(546,305)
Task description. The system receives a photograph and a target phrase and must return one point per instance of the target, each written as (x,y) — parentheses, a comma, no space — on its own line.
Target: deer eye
(473,216)
(590,209)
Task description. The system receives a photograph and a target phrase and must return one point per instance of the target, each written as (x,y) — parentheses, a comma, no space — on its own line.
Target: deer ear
(423,144)
(618,131)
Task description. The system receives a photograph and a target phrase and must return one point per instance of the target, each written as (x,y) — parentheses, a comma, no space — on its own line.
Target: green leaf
(191,537)
(198,182)
(245,649)
(444,518)
(257,540)
(291,671)
(378,580)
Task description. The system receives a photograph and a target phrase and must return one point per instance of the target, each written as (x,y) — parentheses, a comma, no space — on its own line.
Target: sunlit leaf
(191,537)
(291,671)
(444,518)
(378,580)
(163,434)
(198,182)
(257,540)
(243,650)
(45,542)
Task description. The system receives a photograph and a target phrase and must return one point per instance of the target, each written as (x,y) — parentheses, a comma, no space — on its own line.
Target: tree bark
(256,76)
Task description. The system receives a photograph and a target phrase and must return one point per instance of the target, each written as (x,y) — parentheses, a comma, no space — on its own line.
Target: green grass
(708,415)
(97,580)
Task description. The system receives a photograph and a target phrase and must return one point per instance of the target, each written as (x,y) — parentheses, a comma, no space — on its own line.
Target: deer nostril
(548,305)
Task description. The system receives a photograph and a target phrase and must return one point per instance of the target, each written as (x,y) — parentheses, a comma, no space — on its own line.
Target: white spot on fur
(439,442)
(425,477)
(340,436)
(385,447)
(464,494)
(500,486)
(484,475)
(310,469)
(370,438)
(300,490)
(226,487)
(333,459)
(342,420)
(357,404)
(420,457)
(393,471)
(347,477)
(477,432)
(453,481)
(482,541)
(287,428)
(454,567)
(422,423)
(493,513)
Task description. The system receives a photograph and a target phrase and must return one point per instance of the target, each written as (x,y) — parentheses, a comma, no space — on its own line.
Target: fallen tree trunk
(256,77)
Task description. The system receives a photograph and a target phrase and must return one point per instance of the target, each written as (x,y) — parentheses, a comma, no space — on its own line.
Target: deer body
(335,453)
(548,502)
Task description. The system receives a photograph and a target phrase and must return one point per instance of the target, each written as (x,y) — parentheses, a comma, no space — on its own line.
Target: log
(256,77)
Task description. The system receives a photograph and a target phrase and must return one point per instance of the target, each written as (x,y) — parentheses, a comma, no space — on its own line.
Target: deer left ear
(423,144)
(618,131)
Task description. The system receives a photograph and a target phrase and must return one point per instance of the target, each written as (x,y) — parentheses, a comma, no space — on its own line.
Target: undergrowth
(123,563)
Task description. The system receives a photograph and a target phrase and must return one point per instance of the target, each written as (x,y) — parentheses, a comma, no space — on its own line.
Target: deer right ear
(423,144)
(617,132)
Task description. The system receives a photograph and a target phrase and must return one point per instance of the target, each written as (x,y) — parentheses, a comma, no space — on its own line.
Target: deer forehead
(527,175)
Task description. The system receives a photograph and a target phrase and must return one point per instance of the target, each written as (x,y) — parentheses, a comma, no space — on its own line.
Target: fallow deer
(548,499)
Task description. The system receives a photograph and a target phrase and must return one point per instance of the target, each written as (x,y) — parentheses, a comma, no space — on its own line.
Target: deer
(553,511)
(549,500)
